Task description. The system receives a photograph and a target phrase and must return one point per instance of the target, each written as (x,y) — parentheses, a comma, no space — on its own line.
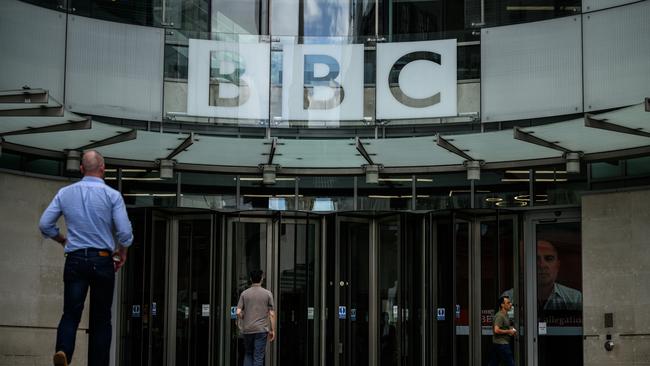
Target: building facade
(393,166)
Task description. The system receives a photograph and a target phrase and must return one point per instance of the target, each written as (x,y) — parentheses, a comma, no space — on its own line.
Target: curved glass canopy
(44,128)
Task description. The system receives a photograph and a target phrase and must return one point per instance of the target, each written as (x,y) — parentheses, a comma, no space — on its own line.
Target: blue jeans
(255,346)
(83,270)
(501,353)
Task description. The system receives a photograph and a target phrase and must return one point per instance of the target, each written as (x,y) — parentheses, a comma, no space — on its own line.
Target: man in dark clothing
(502,331)
(256,312)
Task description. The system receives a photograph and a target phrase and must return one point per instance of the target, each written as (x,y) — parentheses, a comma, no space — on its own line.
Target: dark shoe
(60,359)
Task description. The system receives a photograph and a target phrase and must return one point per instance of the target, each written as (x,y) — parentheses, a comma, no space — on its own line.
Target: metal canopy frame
(189,141)
(603,124)
(529,138)
(122,137)
(62,127)
(447,145)
(24,96)
(362,150)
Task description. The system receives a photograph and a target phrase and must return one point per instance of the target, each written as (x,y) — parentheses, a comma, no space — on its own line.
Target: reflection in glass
(337,17)
(299,326)
(497,273)
(389,305)
(249,252)
(559,293)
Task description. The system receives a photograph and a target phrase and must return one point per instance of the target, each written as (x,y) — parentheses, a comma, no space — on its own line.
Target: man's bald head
(92,163)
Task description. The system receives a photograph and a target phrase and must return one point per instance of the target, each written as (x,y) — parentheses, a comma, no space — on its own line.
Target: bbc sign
(322,82)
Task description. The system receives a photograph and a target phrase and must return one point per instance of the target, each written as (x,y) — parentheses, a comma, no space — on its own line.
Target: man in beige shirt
(256,312)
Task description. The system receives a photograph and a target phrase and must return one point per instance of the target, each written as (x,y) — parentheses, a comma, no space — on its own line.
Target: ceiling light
(268,173)
(166,167)
(473,169)
(572,162)
(372,173)
(73,160)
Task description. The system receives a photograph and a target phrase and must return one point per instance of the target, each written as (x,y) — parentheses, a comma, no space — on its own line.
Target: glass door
(192,297)
(496,244)
(349,307)
(299,296)
(556,298)
(449,309)
(248,246)
(142,322)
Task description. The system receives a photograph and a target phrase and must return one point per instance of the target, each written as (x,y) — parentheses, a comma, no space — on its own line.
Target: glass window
(442,191)
(144,187)
(391,193)
(213,191)
(140,12)
(238,16)
(257,195)
(326,194)
(638,166)
(607,169)
(504,12)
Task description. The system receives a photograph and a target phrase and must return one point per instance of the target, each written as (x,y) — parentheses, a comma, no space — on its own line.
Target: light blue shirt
(92,212)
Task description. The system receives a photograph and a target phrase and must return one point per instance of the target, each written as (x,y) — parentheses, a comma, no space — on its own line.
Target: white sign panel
(542,328)
(416,79)
(229,80)
(322,82)
(205,309)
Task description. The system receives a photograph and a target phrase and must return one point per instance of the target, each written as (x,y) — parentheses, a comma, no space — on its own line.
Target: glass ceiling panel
(410,151)
(500,146)
(318,153)
(8,124)
(59,141)
(574,136)
(632,117)
(149,146)
(210,150)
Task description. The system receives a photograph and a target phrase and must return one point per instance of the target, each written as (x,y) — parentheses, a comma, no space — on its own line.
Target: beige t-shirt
(255,303)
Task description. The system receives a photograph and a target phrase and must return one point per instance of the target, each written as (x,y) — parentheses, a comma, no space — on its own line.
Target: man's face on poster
(548,264)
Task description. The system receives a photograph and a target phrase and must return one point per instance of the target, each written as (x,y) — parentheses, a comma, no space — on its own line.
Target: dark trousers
(85,269)
(255,346)
(501,353)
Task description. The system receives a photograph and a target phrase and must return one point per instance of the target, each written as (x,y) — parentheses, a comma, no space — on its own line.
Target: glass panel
(390,311)
(442,191)
(193,292)
(326,194)
(503,12)
(142,187)
(461,306)
(638,166)
(411,292)
(354,290)
(559,293)
(237,16)
(256,194)
(249,252)
(607,169)
(553,186)
(140,12)
(337,18)
(299,295)
(158,294)
(497,275)
(133,351)
(391,193)
(213,191)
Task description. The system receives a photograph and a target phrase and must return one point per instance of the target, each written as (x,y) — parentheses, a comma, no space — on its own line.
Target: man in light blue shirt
(95,216)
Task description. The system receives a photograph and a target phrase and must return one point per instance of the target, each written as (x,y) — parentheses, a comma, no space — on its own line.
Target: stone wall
(616,268)
(31,275)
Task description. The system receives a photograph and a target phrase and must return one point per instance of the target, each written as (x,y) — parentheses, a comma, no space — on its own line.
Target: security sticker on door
(353,315)
(205,310)
(342,312)
(440,314)
(310,313)
(233,312)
